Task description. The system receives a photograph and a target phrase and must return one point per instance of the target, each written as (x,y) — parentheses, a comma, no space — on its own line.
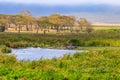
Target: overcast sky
(64,2)
(101,11)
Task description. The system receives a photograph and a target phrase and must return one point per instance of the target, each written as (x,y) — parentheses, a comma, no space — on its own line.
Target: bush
(4,49)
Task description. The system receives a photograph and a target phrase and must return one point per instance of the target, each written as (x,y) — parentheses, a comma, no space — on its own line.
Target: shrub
(4,49)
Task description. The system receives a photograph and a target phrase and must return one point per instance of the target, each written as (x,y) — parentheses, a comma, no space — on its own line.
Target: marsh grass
(98,38)
(4,49)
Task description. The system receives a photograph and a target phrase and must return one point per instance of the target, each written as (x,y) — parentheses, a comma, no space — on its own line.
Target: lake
(37,53)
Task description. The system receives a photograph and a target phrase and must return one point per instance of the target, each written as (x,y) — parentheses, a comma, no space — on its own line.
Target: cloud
(64,2)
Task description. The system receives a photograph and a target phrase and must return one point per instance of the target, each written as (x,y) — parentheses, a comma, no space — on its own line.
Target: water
(37,53)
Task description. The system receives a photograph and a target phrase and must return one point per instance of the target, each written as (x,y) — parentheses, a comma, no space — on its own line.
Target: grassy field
(106,26)
(100,61)
(98,38)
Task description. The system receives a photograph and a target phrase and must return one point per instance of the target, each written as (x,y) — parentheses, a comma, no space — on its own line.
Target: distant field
(102,28)
(106,26)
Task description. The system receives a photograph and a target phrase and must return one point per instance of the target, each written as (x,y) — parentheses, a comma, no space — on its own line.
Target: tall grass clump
(4,49)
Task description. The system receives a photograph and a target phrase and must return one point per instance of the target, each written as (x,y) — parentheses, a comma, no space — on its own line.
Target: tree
(13,21)
(8,18)
(83,23)
(55,20)
(42,23)
(3,20)
(71,21)
(28,19)
(19,22)
(89,28)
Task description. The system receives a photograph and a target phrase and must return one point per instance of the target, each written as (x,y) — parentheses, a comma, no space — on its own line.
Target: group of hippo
(71,47)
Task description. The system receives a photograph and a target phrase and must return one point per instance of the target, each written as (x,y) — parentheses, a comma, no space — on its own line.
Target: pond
(37,53)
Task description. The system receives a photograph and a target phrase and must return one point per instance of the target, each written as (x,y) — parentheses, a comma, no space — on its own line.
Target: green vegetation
(106,27)
(99,38)
(101,64)
(4,49)
(101,61)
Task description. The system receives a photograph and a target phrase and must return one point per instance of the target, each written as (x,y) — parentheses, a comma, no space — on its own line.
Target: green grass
(103,64)
(97,48)
(107,28)
(98,38)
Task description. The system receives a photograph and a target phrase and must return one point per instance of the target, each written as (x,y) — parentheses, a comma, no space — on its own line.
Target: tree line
(45,23)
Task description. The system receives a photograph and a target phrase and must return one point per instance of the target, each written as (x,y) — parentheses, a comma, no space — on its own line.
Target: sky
(96,11)
(64,2)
